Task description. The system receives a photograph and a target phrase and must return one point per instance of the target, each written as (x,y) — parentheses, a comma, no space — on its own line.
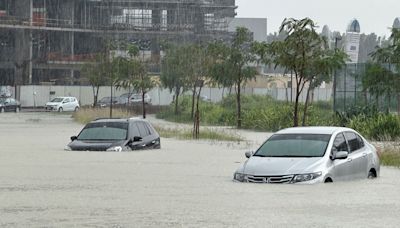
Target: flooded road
(185,184)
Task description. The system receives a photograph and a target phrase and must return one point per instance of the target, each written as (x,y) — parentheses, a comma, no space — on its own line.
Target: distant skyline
(375,16)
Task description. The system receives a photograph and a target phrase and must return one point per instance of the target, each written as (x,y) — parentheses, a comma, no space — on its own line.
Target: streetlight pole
(337,38)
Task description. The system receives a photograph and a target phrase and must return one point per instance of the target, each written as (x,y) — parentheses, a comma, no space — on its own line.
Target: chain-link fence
(349,93)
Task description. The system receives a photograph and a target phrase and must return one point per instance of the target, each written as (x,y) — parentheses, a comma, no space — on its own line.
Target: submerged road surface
(185,184)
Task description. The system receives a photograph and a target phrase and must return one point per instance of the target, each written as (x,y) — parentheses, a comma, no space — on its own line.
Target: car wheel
(2,110)
(371,174)
(328,180)
(76,109)
(17,109)
(60,109)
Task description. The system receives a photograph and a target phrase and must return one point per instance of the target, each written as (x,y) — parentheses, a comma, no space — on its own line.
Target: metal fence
(350,94)
(37,96)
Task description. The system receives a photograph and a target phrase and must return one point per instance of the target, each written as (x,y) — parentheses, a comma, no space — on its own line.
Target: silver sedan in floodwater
(311,155)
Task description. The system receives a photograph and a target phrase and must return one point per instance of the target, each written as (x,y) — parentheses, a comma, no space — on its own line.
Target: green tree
(378,80)
(96,75)
(133,73)
(231,64)
(174,71)
(306,54)
(387,81)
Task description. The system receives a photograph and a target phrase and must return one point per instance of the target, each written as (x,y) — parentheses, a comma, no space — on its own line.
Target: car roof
(65,97)
(102,120)
(313,130)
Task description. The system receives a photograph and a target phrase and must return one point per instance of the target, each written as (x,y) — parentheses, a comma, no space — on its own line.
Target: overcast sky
(374,15)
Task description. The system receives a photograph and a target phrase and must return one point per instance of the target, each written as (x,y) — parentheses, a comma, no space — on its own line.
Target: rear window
(104,131)
(57,99)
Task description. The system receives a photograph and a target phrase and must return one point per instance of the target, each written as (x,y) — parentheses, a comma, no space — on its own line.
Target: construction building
(47,41)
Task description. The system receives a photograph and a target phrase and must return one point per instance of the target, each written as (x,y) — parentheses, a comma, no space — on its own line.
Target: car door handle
(349,160)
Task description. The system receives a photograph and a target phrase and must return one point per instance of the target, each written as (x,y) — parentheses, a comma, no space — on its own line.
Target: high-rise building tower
(326,32)
(396,23)
(352,43)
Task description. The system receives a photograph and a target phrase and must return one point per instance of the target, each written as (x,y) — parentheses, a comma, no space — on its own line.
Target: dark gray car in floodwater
(116,135)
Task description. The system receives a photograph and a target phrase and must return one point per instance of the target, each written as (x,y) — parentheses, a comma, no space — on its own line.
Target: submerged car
(116,135)
(9,104)
(61,104)
(311,155)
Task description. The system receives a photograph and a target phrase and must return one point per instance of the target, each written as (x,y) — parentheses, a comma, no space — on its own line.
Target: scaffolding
(47,40)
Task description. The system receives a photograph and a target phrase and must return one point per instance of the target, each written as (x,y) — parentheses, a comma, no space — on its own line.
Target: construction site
(46,42)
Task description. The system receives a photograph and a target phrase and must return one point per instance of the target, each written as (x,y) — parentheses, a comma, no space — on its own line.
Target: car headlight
(239,177)
(115,149)
(67,148)
(306,177)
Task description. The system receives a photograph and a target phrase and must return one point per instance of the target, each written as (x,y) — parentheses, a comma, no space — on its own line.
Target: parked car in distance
(116,135)
(8,104)
(106,101)
(137,98)
(124,98)
(311,155)
(61,104)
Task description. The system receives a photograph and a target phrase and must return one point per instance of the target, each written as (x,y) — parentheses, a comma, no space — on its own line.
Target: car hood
(94,145)
(280,166)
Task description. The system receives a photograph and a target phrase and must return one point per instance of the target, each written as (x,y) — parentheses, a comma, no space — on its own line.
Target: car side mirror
(248,154)
(73,138)
(137,139)
(341,155)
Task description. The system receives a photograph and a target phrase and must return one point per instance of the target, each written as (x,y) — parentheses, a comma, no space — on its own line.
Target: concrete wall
(37,96)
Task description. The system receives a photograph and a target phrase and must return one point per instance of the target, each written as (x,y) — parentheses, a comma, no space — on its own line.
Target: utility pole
(337,38)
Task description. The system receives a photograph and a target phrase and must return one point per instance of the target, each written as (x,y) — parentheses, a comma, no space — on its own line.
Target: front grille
(270,179)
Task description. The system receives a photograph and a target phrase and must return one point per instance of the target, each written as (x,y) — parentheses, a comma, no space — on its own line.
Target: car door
(134,132)
(13,104)
(8,105)
(341,169)
(358,155)
(74,103)
(145,133)
(64,104)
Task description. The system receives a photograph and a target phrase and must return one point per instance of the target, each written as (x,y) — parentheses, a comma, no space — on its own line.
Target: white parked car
(137,98)
(61,104)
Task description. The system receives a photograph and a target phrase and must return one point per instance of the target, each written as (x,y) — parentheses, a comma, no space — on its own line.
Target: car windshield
(104,131)
(57,99)
(2,100)
(294,145)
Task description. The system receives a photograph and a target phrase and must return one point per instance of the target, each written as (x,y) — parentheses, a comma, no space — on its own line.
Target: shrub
(85,115)
(259,113)
(381,127)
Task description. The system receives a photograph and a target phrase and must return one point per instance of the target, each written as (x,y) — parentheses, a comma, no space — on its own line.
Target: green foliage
(390,157)
(85,115)
(230,64)
(306,54)
(381,127)
(187,134)
(259,113)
